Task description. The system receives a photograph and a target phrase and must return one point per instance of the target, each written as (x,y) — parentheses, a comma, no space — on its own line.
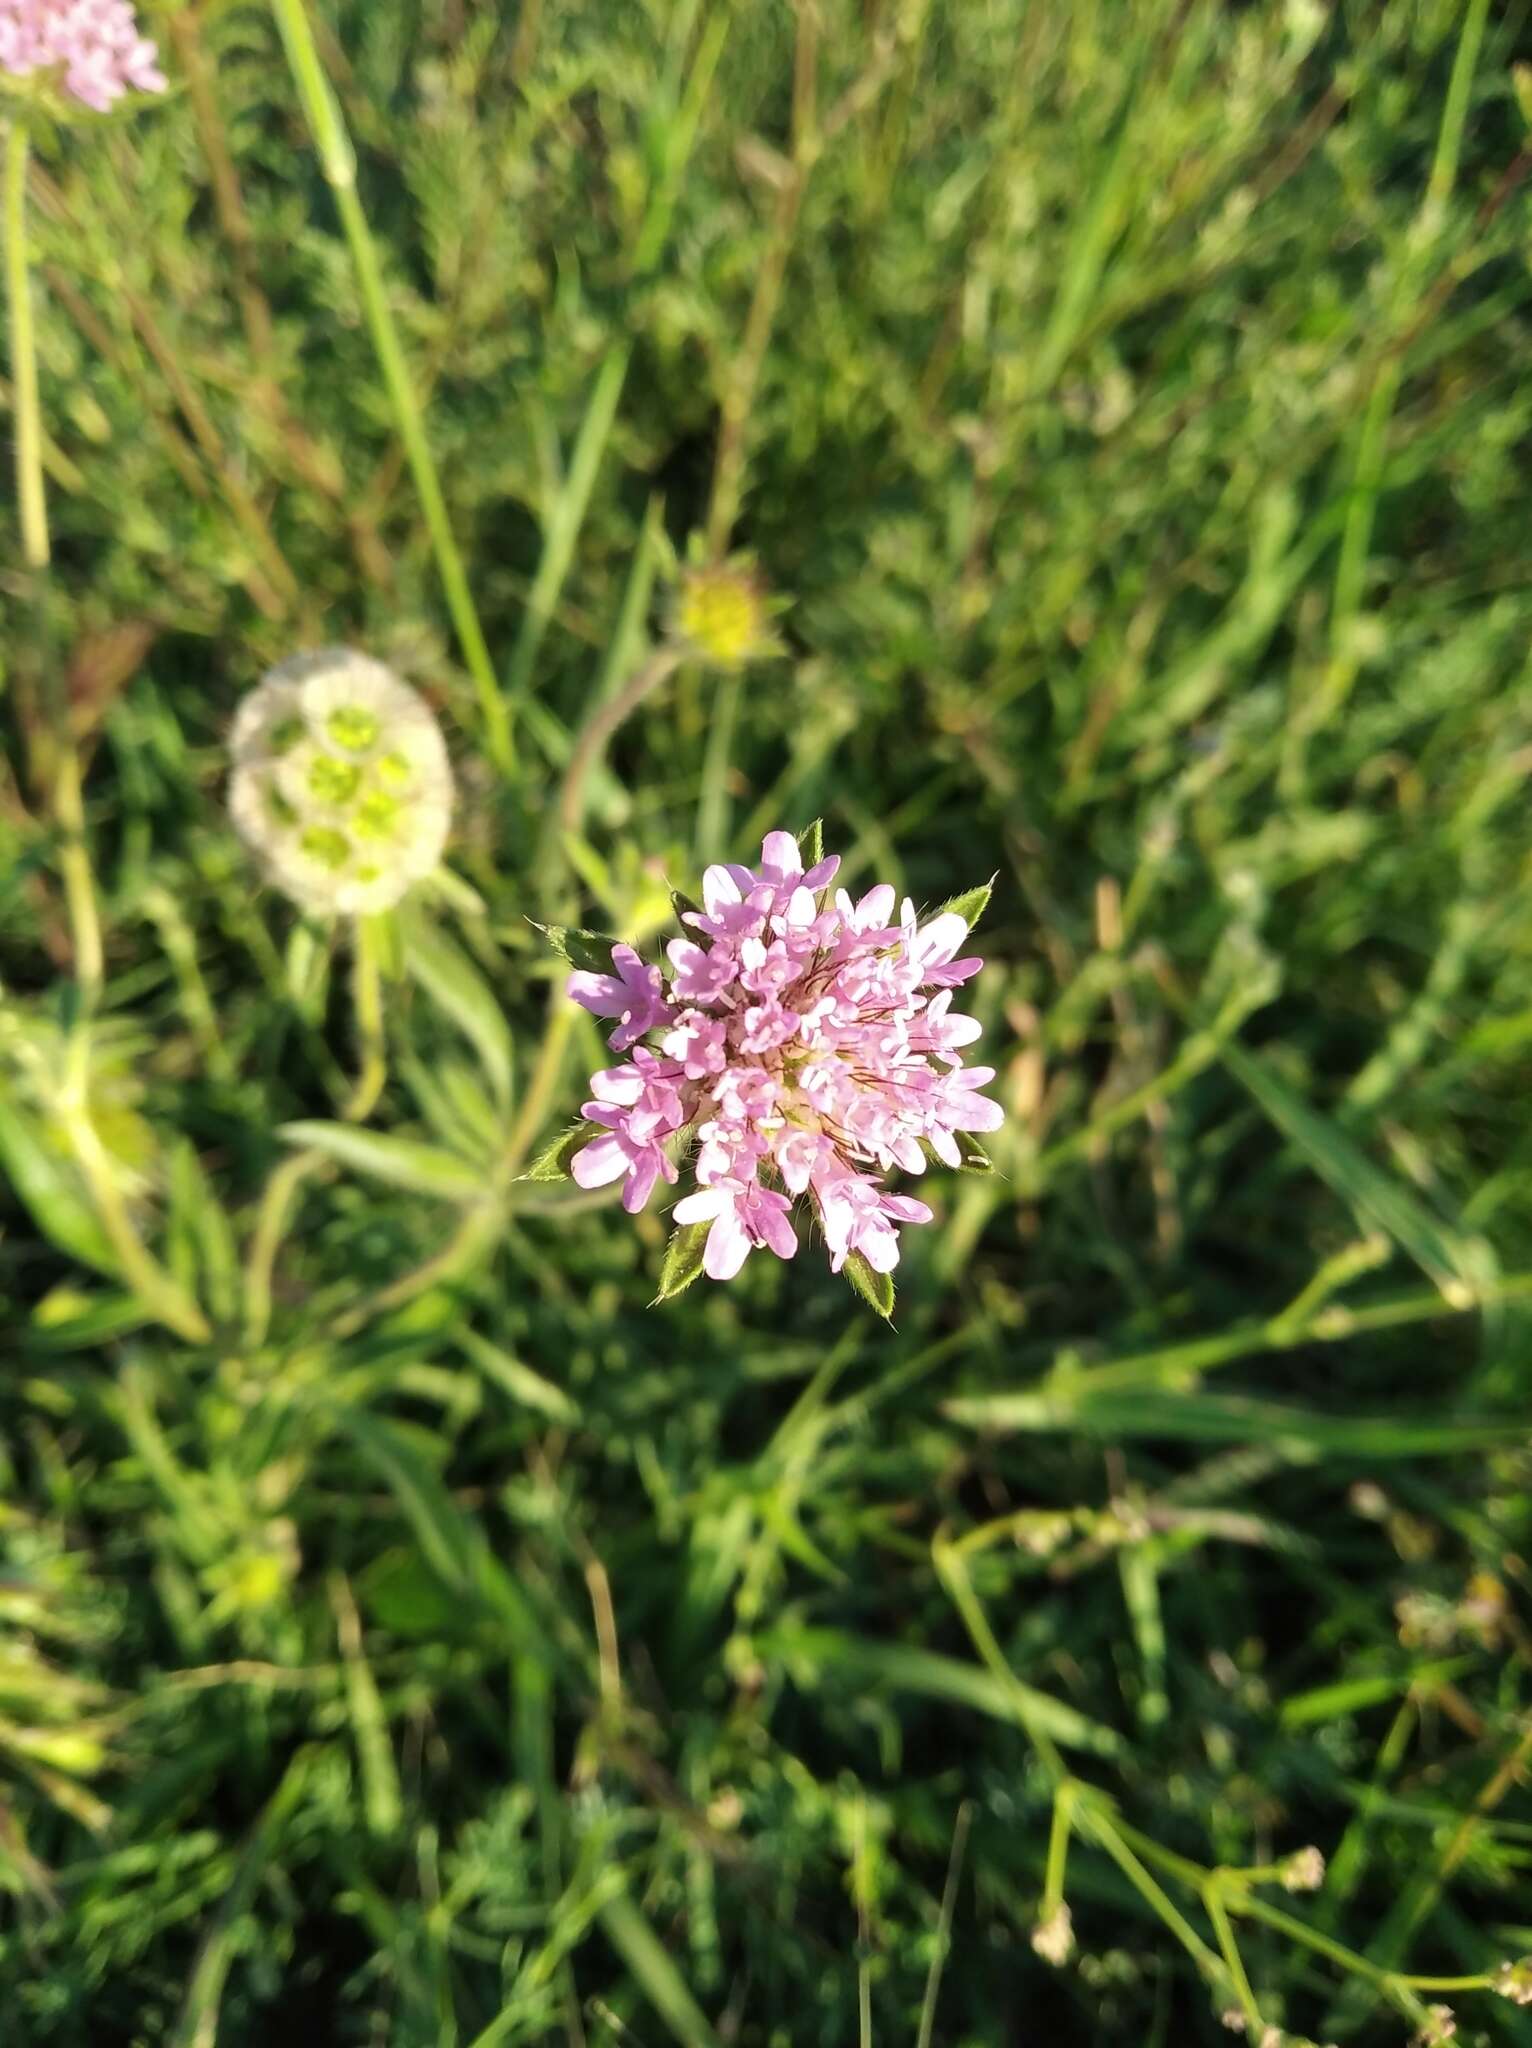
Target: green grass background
(1132,401)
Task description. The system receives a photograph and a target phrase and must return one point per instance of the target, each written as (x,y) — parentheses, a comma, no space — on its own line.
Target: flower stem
(1217,1912)
(337,160)
(29,445)
(32,506)
(713,803)
(367,994)
(598,729)
(1058,1849)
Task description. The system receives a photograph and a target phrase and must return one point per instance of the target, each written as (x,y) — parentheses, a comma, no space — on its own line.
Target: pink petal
(779,850)
(727,1246)
(599,1164)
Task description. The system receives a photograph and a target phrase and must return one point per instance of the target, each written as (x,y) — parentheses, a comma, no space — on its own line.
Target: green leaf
(46,1183)
(401,1162)
(655,1973)
(201,1248)
(552,1163)
(452,1100)
(458,989)
(450,1540)
(863,1663)
(682,905)
(529,1389)
(589,951)
(875,1288)
(1462,1267)
(401,1592)
(811,843)
(1296,1433)
(974,1157)
(683,1259)
(972,904)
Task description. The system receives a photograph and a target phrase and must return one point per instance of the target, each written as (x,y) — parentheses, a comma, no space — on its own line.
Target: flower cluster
(809,1044)
(340,782)
(95,43)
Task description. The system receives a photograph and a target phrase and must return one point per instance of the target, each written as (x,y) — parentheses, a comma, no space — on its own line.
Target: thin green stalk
(74,865)
(479,1226)
(1285,1923)
(1058,1849)
(597,731)
(367,994)
(543,1079)
(953,1574)
(1105,1832)
(28,422)
(270,1223)
(32,506)
(713,804)
(568,515)
(744,376)
(1217,1912)
(1332,1323)
(1370,471)
(944,1925)
(338,162)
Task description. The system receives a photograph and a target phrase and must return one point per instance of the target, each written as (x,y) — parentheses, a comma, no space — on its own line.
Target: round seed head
(340,782)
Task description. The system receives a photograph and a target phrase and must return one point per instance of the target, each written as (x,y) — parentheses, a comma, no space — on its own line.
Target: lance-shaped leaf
(553,1162)
(684,906)
(875,1288)
(972,904)
(683,1259)
(591,951)
(974,1157)
(811,843)
(401,1162)
(458,989)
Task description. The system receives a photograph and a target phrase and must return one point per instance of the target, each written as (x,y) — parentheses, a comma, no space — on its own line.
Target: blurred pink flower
(809,1045)
(96,42)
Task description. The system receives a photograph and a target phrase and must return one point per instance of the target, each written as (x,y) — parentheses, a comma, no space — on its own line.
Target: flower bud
(1514,1981)
(1304,1871)
(340,783)
(723,615)
(1440,2027)
(1054,1938)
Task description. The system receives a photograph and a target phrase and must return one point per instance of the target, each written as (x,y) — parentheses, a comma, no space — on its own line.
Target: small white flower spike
(340,782)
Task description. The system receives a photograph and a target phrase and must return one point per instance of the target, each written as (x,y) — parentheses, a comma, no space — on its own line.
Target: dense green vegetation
(410,1636)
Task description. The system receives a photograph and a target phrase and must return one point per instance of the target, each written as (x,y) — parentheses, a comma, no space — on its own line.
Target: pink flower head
(95,43)
(808,1042)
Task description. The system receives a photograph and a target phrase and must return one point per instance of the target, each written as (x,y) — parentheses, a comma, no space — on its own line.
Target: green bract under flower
(341,782)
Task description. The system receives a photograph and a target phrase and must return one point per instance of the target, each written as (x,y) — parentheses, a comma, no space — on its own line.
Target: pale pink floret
(94,44)
(744,1215)
(809,1044)
(634,995)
